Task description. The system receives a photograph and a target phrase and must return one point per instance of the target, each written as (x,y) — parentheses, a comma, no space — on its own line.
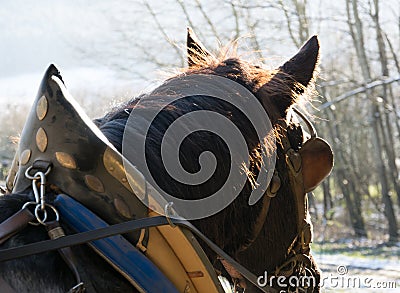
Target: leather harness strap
(298,252)
(19,221)
(55,231)
(15,223)
(122,228)
(294,163)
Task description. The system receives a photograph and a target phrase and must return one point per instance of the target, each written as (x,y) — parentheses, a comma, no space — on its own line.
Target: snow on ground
(341,273)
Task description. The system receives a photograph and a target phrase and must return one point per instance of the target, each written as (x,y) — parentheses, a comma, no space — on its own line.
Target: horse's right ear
(292,77)
(301,67)
(196,51)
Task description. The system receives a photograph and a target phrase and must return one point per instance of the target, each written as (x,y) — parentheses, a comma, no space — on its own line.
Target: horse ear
(196,51)
(302,66)
(292,77)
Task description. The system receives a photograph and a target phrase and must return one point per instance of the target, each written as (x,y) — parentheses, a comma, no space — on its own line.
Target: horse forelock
(271,85)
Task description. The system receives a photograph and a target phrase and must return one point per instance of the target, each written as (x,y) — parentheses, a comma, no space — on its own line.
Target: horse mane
(228,63)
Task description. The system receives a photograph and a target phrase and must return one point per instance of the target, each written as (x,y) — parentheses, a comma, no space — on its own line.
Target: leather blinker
(317,162)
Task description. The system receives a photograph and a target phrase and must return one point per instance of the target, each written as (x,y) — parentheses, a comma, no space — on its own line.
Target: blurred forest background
(356,210)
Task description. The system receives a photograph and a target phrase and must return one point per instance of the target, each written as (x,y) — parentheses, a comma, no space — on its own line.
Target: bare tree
(357,34)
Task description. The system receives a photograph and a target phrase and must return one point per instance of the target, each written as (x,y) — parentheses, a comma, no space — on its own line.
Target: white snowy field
(342,273)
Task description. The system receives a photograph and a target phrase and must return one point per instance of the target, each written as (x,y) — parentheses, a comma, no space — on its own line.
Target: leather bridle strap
(121,228)
(55,231)
(15,223)
(299,250)
(18,222)
(295,165)
(9,228)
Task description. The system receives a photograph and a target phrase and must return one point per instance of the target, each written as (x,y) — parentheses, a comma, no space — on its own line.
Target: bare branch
(236,17)
(289,23)
(187,16)
(163,32)
(259,6)
(198,4)
(359,90)
(251,27)
(394,55)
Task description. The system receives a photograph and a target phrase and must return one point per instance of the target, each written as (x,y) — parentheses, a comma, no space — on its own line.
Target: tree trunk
(356,218)
(386,131)
(328,203)
(388,205)
(356,32)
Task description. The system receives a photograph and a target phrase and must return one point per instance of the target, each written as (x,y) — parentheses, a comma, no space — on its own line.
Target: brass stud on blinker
(25,156)
(66,160)
(41,140)
(94,183)
(122,208)
(41,108)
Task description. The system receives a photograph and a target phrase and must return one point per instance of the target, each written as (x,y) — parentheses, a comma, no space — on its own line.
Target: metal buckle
(306,236)
(168,212)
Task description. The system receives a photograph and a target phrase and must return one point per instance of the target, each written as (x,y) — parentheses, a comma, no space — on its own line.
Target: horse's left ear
(196,51)
(302,66)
